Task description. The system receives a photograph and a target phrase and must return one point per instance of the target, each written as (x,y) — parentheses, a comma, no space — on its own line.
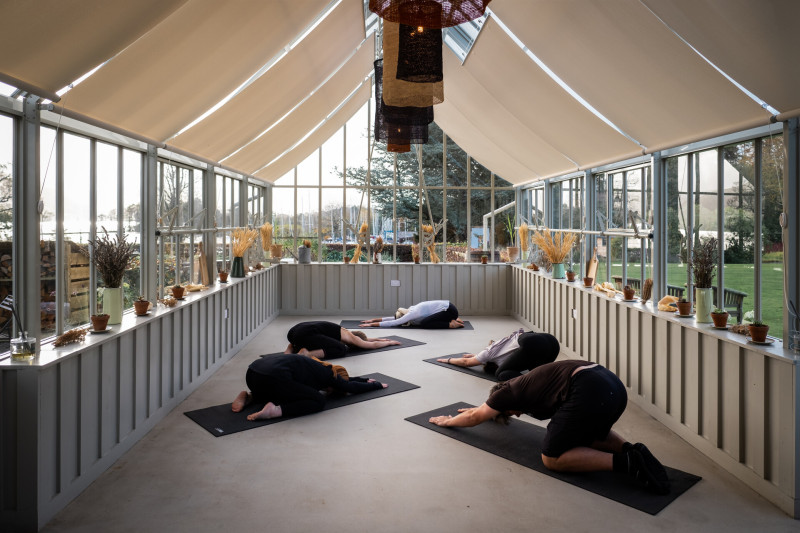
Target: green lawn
(740,278)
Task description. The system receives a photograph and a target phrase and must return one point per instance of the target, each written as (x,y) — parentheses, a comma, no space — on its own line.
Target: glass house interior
(644,128)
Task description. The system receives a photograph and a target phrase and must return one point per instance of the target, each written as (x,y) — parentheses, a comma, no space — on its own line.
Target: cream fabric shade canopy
(300,72)
(51,43)
(637,73)
(754,42)
(307,146)
(189,63)
(306,116)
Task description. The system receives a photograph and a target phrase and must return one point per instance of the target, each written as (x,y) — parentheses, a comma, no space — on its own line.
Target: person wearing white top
(511,355)
(433,314)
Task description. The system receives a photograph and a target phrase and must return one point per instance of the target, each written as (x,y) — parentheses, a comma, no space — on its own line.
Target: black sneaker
(646,469)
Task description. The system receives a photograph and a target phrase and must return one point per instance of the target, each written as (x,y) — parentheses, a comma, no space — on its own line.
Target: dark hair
(360,334)
(502,418)
(490,368)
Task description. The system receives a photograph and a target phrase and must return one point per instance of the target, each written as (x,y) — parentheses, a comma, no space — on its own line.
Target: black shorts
(596,400)
(321,335)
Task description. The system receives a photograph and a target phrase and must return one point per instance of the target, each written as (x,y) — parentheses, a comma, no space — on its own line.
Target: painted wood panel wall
(734,403)
(65,423)
(365,289)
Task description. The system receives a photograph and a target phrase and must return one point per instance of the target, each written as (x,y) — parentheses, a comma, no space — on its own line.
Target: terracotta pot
(588,282)
(140,307)
(535,267)
(758,333)
(628,293)
(570,276)
(346,259)
(223,276)
(720,319)
(177,292)
(99,322)
(684,308)
(484,260)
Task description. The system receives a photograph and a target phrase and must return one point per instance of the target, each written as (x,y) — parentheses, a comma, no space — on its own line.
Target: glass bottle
(23,348)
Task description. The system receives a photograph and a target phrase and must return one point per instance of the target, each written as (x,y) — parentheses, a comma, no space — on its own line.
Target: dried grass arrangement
(73,335)
(704,263)
(432,247)
(523,238)
(554,247)
(111,258)
(266,236)
(242,239)
(357,252)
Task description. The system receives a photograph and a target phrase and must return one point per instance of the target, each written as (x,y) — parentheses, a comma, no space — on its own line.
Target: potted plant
(484,259)
(223,276)
(720,318)
(111,257)
(177,292)
(588,282)
(100,322)
(758,331)
(570,273)
(628,293)
(141,305)
(684,307)
(703,264)
(555,247)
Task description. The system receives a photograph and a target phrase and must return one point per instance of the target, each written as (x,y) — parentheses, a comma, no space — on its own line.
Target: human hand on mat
(440,420)
(384,385)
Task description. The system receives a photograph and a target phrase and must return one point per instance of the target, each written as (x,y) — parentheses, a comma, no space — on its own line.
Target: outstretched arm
(466,360)
(370,323)
(466,418)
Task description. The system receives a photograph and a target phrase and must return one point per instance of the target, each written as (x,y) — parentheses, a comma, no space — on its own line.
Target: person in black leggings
(290,384)
(510,356)
(326,340)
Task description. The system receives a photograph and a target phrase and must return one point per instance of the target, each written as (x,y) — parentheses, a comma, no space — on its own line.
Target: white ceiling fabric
(78,36)
(747,39)
(554,118)
(493,121)
(189,63)
(307,115)
(301,71)
(623,61)
(298,153)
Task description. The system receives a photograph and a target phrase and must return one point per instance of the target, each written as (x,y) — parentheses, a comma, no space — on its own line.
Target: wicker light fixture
(434,14)
(403,93)
(419,54)
(399,127)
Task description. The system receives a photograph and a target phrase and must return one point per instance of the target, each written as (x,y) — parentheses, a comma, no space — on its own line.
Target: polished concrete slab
(364,468)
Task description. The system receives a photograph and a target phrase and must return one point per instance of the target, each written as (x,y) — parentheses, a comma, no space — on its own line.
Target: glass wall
(339,189)
(6,226)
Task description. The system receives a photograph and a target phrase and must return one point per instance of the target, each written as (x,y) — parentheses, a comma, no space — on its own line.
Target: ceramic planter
(140,307)
(177,292)
(558,271)
(570,275)
(758,333)
(720,319)
(588,282)
(100,322)
(112,304)
(223,277)
(684,308)
(704,303)
(628,293)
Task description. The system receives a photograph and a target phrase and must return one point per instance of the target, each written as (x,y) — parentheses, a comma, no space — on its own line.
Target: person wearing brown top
(582,400)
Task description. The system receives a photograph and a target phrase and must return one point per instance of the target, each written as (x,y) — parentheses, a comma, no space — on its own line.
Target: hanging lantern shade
(435,14)
(403,126)
(402,93)
(398,148)
(419,54)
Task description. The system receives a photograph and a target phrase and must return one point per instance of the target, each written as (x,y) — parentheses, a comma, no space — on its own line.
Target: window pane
(283,215)
(332,224)
(308,170)
(47,158)
(504,223)
(677,169)
(479,174)
(457,226)
(407,224)
(308,218)
(76,224)
(7,228)
(480,240)
(432,155)
(333,159)
(407,169)
(456,165)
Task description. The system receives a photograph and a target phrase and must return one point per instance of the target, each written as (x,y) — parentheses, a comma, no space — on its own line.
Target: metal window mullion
(92,222)
(721,228)
(161,246)
(625,174)
(296,215)
(469,210)
(343,210)
(61,259)
(759,244)
(691,158)
(660,230)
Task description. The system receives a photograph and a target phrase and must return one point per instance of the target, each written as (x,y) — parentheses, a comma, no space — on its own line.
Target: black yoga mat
(353,324)
(404,343)
(219,420)
(520,442)
(476,371)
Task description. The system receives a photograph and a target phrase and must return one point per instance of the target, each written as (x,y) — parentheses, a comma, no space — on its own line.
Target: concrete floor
(364,468)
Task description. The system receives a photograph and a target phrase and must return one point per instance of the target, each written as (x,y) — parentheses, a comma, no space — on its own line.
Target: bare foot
(269,411)
(242,399)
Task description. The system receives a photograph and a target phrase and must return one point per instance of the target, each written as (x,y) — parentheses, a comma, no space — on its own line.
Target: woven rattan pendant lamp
(434,14)
(419,54)
(399,127)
